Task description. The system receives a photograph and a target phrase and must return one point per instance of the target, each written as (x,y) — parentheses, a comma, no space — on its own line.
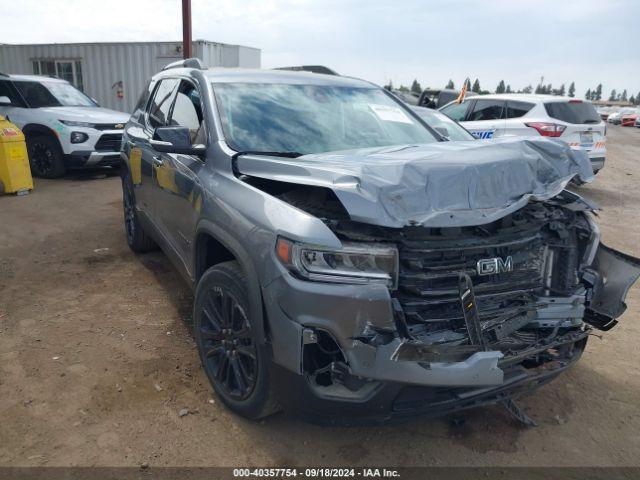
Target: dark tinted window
(187,111)
(161,104)
(456,111)
(8,90)
(518,109)
(487,110)
(37,95)
(573,112)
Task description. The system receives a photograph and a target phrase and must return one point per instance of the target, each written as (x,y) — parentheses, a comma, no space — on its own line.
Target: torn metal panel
(436,185)
(612,275)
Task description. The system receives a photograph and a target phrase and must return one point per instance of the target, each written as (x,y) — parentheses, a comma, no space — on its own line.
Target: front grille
(109,126)
(429,276)
(109,142)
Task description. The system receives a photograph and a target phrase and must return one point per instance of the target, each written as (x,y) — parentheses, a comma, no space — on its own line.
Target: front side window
(53,94)
(161,104)
(187,111)
(313,118)
(456,111)
(9,91)
(487,110)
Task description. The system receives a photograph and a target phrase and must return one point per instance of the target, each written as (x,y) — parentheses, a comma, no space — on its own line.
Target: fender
(243,258)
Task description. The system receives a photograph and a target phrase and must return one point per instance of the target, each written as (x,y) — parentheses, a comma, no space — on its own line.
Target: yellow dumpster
(15,174)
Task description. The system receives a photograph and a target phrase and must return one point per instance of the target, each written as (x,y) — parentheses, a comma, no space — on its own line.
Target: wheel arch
(31,129)
(214,245)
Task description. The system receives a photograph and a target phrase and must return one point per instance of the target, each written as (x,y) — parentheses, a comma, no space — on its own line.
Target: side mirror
(5,101)
(442,131)
(175,140)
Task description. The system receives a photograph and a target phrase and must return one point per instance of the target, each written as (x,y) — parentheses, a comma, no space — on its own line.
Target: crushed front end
(469,316)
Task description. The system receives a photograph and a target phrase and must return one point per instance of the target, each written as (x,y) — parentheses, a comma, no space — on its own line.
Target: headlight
(358,263)
(70,123)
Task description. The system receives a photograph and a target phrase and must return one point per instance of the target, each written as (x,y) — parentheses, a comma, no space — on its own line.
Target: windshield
(313,119)
(53,94)
(443,124)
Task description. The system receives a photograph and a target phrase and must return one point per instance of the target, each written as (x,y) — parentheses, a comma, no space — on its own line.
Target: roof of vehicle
(32,78)
(255,75)
(529,97)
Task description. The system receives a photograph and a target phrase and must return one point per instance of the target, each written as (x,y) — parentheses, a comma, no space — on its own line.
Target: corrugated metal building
(115,73)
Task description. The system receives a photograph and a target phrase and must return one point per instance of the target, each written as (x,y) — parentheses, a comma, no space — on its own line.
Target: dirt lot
(97,360)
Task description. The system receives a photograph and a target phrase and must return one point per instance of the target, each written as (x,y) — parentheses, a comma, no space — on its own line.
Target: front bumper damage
(371,372)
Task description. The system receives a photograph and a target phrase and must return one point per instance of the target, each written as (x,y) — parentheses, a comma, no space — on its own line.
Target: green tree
(476,86)
(508,89)
(598,92)
(632,100)
(613,95)
(415,87)
(527,89)
(572,89)
(588,95)
(389,86)
(501,88)
(450,84)
(623,97)
(539,88)
(561,90)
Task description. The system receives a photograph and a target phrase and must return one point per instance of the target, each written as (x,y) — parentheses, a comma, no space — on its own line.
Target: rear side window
(161,104)
(518,109)
(572,112)
(487,110)
(456,111)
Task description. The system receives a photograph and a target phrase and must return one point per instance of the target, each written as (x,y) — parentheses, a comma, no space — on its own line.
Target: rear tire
(45,156)
(137,239)
(234,359)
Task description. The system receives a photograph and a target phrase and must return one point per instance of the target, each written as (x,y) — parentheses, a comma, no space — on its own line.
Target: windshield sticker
(389,114)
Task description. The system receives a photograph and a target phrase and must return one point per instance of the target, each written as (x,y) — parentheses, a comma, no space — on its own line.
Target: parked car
(443,124)
(629,119)
(351,264)
(502,115)
(64,128)
(616,117)
(436,98)
(638,122)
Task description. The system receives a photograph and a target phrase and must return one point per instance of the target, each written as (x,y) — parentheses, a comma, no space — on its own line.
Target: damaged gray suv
(352,264)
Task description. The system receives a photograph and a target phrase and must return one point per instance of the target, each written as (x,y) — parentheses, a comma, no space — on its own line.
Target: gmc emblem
(491,266)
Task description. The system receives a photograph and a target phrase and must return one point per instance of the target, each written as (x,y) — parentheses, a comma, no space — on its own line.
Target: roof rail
(310,68)
(192,62)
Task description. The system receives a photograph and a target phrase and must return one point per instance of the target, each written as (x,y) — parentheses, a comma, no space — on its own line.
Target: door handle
(158,161)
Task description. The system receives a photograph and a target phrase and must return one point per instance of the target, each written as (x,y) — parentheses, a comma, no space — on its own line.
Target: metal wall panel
(106,64)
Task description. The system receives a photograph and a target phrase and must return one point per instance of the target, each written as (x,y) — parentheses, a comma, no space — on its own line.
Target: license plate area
(586,139)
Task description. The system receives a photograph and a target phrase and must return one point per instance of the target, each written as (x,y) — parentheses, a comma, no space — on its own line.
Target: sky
(584,41)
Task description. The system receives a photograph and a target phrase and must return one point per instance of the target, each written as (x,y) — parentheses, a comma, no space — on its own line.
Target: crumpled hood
(88,114)
(435,185)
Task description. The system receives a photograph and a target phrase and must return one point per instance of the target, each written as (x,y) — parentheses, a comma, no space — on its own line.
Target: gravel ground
(97,363)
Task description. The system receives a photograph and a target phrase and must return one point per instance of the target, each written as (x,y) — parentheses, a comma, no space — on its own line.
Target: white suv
(572,120)
(64,128)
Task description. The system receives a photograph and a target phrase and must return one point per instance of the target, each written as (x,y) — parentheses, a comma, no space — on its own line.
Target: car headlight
(71,123)
(358,263)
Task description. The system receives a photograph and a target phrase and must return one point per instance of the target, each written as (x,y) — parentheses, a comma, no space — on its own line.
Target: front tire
(234,359)
(45,156)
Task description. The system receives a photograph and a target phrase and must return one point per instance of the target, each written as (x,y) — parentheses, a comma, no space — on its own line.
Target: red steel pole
(186,28)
